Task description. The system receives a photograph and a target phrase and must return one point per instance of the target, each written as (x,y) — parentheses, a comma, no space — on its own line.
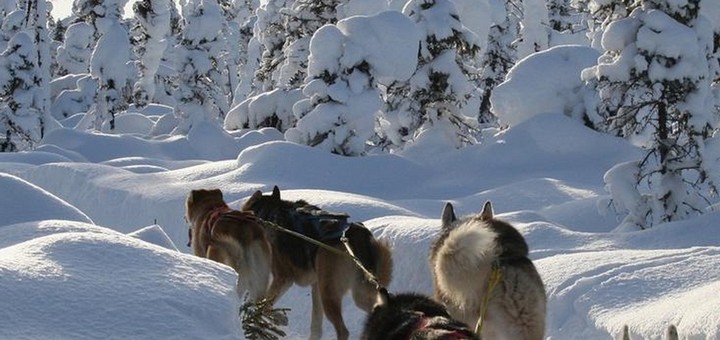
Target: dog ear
(254,198)
(672,333)
(382,297)
(487,212)
(217,193)
(448,215)
(276,193)
(625,333)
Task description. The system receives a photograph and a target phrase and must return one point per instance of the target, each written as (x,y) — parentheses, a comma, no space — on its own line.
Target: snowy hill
(123,276)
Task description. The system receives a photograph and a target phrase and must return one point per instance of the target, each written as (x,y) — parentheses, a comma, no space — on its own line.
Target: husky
(412,316)
(468,253)
(231,237)
(296,261)
(671,333)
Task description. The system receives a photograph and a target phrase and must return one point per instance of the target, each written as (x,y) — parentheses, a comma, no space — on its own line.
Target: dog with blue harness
(331,276)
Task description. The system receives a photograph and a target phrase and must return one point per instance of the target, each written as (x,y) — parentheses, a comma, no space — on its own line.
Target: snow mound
(521,96)
(137,289)
(290,165)
(14,207)
(599,292)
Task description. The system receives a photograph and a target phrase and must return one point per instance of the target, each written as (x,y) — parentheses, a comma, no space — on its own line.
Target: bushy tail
(374,255)
(468,246)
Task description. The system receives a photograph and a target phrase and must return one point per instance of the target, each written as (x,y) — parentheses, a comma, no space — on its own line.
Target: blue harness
(319,224)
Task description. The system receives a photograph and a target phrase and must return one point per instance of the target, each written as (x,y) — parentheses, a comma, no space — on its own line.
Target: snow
(93,237)
(521,95)
(131,273)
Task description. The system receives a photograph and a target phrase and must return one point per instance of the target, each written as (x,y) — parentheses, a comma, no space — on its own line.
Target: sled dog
(296,261)
(412,316)
(229,236)
(465,256)
(671,333)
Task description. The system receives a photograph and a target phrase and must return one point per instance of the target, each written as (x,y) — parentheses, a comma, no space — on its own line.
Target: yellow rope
(493,281)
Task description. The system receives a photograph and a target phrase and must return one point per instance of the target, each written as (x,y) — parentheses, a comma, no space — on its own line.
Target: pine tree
(500,55)
(73,56)
(342,100)
(270,34)
(37,20)
(150,35)
(654,88)
(201,45)
(248,51)
(440,87)
(21,118)
(560,15)
(601,13)
(110,66)
(11,24)
(301,21)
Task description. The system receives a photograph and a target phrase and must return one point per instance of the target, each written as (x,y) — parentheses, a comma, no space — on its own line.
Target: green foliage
(261,321)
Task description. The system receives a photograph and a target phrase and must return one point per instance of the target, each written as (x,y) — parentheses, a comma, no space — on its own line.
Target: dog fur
(230,237)
(412,316)
(296,261)
(461,261)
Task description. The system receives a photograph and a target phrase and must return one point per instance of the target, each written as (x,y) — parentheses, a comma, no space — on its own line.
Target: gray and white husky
(462,260)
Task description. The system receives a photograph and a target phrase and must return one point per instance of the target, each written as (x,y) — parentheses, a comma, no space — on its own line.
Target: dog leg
(277,289)
(317,314)
(258,258)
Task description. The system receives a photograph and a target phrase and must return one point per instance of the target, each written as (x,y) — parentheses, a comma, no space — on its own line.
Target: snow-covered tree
(11,24)
(37,21)
(248,50)
(110,65)
(73,56)
(21,116)
(500,53)
(269,31)
(601,13)
(268,109)
(535,32)
(560,14)
(301,21)
(346,63)
(440,86)
(200,54)
(150,40)
(654,89)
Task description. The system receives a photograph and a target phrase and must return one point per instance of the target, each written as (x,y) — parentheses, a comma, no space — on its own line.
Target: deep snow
(92,225)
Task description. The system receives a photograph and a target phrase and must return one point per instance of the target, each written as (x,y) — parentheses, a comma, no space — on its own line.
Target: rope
(349,254)
(493,281)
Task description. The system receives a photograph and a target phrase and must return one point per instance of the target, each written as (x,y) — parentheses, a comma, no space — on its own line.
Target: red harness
(213,216)
(423,323)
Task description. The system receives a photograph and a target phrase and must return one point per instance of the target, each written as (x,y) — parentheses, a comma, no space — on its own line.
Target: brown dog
(232,237)
(295,261)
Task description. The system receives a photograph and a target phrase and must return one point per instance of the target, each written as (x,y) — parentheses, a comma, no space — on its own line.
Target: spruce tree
(150,35)
(654,88)
(440,87)
(500,55)
(199,51)
(21,116)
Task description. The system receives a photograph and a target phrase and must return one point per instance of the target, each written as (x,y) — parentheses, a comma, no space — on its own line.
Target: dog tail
(469,246)
(374,255)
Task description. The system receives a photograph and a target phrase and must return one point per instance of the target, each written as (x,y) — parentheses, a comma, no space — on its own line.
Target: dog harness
(220,211)
(446,334)
(319,224)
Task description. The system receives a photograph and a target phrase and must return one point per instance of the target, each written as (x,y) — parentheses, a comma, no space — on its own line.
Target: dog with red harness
(234,238)
(412,316)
